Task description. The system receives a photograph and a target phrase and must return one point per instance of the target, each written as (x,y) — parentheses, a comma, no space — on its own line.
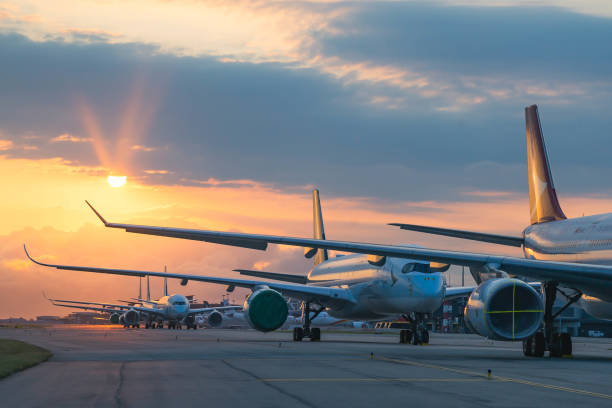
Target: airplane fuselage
(399,286)
(172,308)
(579,240)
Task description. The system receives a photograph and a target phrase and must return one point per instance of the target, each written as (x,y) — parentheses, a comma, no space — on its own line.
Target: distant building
(49,319)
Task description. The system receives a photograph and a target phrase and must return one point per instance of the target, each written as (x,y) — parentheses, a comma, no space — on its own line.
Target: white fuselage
(172,308)
(398,287)
(577,240)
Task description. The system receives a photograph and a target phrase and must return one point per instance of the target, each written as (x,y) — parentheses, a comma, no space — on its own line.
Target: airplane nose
(429,287)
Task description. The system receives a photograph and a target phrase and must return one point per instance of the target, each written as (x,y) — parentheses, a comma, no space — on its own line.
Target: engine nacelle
(131,317)
(114,318)
(504,309)
(215,319)
(265,309)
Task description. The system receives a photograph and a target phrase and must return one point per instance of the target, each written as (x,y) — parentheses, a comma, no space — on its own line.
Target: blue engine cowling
(504,309)
(131,317)
(265,309)
(215,319)
(114,318)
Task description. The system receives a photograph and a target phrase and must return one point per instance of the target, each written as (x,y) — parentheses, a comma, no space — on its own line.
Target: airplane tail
(148,289)
(543,202)
(320,255)
(165,282)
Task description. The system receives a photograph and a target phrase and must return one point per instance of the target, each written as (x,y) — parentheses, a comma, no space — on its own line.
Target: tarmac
(107,366)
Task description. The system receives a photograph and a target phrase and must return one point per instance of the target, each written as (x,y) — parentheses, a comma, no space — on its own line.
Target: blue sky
(399,99)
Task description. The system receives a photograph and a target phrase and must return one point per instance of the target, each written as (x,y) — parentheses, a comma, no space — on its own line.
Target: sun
(116,181)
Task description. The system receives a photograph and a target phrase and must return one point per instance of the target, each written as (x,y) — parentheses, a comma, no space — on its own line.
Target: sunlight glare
(116,181)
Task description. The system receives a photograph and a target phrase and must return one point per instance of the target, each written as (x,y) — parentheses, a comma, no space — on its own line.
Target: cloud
(66,137)
(6,144)
(355,101)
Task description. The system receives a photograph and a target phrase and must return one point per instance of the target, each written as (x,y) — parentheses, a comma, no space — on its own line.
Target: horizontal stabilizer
(474,236)
(284,277)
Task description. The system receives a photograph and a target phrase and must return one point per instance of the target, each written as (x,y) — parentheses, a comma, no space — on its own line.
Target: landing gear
(557,344)
(405,336)
(418,334)
(314,333)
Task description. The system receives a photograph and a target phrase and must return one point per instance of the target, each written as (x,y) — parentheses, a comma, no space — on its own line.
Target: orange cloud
(6,144)
(67,137)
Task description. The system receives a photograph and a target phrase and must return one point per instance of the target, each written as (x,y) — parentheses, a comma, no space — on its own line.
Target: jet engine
(114,318)
(131,317)
(265,309)
(215,319)
(504,309)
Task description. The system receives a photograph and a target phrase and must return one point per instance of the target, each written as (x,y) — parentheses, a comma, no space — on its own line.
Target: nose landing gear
(418,334)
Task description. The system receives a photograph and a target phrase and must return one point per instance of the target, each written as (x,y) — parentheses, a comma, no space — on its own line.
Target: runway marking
(373,379)
(499,378)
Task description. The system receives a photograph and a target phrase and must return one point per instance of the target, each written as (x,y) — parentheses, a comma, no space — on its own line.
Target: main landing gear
(417,334)
(313,333)
(557,344)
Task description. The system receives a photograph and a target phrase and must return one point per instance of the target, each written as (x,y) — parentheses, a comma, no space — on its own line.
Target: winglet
(32,259)
(97,213)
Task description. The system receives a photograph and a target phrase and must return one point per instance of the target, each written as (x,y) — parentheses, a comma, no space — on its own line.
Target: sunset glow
(116,181)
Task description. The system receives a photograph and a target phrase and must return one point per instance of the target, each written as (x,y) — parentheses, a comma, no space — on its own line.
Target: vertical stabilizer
(319,230)
(543,202)
(165,282)
(148,289)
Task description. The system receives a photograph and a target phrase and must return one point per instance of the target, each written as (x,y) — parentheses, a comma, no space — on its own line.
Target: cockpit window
(416,267)
(179,303)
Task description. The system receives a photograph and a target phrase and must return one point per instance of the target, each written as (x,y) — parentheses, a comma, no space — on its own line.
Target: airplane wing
(474,236)
(212,309)
(597,279)
(110,309)
(98,309)
(324,296)
(285,277)
(107,305)
(454,292)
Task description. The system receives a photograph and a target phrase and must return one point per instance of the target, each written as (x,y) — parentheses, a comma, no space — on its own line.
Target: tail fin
(148,289)
(543,201)
(319,231)
(165,282)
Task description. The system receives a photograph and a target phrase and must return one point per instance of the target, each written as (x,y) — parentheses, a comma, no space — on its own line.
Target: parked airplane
(504,308)
(355,287)
(174,309)
(572,250)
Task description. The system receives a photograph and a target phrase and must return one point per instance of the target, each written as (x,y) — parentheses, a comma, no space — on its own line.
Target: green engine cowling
(265,309)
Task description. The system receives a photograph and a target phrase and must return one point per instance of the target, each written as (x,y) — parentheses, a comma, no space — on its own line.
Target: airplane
(354,287)
(174,309)
(559,252)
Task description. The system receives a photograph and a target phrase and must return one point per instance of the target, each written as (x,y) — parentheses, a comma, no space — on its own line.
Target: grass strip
(16,355)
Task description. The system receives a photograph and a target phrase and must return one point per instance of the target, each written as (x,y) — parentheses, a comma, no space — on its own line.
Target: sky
(226,114)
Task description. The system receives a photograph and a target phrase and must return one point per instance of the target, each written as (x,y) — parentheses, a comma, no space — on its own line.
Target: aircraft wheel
(555,345)
(416,339)
(539,344)
(298,334)
(528,347)
(315,334)
(405,336)
(425,337)
(566,344)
